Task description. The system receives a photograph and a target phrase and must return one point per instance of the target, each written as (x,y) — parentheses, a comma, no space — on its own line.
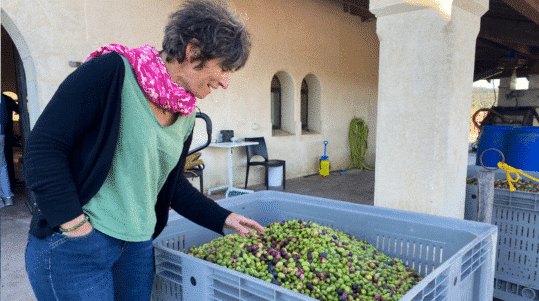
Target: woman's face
(200,82)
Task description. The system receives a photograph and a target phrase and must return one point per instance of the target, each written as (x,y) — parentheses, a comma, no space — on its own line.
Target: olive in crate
(313,260)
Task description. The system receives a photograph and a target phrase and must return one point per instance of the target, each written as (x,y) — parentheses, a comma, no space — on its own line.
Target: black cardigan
(70,150)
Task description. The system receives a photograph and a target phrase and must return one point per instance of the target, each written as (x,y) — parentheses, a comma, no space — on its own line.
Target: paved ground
(349,186)
(14,221)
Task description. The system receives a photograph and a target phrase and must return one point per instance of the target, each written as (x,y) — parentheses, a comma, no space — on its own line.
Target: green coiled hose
(357,137)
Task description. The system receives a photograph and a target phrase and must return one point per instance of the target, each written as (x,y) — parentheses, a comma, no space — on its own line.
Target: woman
(106,156)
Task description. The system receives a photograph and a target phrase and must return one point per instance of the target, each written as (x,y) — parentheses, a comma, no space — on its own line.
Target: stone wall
(296,37)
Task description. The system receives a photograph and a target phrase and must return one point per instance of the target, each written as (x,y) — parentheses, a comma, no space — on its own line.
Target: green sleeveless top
(145,155)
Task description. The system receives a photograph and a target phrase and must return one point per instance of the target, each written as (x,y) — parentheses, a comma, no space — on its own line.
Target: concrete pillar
(507,84)
(533,81)
(485,200)
(424,99)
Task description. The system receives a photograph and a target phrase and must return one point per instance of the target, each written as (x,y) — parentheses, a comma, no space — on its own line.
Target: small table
(230,187)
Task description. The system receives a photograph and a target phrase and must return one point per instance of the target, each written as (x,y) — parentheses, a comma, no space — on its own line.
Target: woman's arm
(192,204)
(196,207)
(75,109)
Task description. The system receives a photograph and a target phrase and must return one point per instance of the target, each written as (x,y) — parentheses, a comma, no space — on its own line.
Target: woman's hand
(242,225)
(82,230)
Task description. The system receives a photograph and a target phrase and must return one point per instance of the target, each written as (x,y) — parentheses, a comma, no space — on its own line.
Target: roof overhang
(508,39)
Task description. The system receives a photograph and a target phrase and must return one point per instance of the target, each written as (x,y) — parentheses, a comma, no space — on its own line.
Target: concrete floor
(354,186)
(351,186)
(15,221)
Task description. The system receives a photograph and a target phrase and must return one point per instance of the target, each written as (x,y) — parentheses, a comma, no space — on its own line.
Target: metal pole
(485,196)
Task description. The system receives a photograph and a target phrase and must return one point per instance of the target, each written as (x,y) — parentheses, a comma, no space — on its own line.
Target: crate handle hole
(528,293)
(455,281)
(193,281)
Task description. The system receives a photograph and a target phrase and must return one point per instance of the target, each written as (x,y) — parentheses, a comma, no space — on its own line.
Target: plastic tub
(455,257)
(522,149)
(492,136)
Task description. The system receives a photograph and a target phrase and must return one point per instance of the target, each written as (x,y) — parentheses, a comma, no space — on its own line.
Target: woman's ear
(192,51)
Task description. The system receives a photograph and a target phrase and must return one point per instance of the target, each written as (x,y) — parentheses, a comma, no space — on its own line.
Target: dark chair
(261,150)
(194,167)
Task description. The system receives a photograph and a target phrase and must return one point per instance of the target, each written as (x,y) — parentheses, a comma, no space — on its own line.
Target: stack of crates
(454,257)
(516,214)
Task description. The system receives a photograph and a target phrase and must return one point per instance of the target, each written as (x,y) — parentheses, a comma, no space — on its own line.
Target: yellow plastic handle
(509,170)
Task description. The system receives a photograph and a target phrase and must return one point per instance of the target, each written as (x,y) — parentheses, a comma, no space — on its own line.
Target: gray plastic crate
(455,257)
(516,214)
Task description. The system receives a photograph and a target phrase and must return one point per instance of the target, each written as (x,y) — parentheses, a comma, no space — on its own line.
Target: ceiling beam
(521,50)
(482,42)
(359,8)
(527,8)
(487,74)
(510,31)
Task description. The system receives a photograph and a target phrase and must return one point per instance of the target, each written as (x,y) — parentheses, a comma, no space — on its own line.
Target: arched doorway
(14,85)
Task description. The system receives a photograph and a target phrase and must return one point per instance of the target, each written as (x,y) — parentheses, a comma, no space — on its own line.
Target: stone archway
(28,66)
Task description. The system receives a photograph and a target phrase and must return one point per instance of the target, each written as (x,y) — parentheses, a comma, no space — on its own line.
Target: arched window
(304,106)
(275,103)
(310,105)
(283,121)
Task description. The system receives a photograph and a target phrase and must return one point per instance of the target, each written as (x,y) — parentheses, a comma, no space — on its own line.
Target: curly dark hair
(213,28)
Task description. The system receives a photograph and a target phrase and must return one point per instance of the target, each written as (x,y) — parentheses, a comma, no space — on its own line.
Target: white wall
(298,37)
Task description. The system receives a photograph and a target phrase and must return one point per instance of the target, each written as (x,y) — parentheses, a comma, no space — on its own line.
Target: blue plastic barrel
(523,148)
(492,136)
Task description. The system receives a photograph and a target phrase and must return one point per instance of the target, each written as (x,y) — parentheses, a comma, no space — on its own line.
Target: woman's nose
(224,81)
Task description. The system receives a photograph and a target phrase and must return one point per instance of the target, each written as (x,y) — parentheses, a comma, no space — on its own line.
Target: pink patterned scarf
(153,78)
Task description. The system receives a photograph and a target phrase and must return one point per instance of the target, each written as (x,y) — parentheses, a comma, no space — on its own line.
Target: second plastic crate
(516,214)
(455,257)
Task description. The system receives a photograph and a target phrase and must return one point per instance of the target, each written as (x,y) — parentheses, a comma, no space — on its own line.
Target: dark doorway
(14,86)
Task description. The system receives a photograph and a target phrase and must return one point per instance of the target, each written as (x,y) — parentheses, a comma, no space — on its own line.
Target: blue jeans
(5,186)
(94,266)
